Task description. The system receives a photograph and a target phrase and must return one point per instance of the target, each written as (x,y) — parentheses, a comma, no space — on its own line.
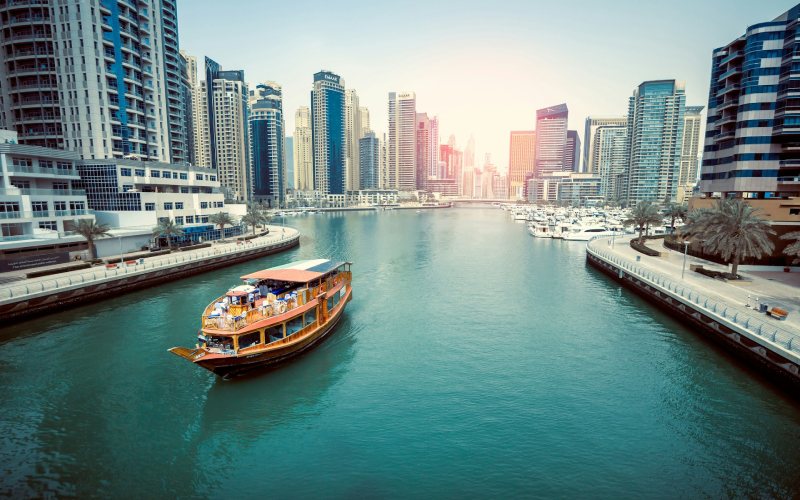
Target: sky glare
(482,67)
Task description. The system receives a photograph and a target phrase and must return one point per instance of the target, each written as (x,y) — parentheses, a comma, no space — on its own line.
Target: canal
(474,360)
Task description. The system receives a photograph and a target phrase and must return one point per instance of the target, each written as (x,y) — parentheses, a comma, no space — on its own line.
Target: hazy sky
(482,67)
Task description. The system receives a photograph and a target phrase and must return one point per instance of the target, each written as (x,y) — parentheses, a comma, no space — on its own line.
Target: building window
(184,190)
(21,184)
(203,204)
(199,177)
(127,187)
(61,186)
(204,218)
(150,207)
(64,165)
(139,172)
(48,224)
(125,172)
(39,208)
(45,164)
(190,219)
(184,176)
(179,220)
(167,174)
(21,162)
(155,173)
(178,205)
(213,177)
(167,205)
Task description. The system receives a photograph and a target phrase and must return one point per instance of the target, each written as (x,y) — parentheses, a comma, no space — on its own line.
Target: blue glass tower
(369,160)
(328,132)
(267,148)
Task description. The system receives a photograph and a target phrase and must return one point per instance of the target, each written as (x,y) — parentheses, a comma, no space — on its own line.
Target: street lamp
(685,251)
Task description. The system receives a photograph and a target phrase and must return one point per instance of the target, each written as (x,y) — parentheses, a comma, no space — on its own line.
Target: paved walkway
(14,289)
(763,286)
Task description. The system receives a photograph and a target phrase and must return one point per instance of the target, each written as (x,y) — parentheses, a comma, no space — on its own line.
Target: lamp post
(685,251)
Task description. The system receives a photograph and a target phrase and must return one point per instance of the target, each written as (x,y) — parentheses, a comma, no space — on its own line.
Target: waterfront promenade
(23,298)
(729,304)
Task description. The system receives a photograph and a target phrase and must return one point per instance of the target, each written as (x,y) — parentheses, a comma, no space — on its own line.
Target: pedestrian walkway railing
(19,290)
(739,315)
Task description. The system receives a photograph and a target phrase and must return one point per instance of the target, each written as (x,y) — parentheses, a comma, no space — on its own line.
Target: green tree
(91,231)
(255,216)
(221,220)
(675,211)
(731,229)
(792,249)
(167,228)
(642,215)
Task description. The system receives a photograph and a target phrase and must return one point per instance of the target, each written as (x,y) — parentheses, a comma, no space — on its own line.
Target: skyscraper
(128,103)
(572,149)
(469,154)
(352,135)
(369,161)
(288,147)
(226,125)
(328,132)
(402,150)
(364,117)
(609,157)
(303,150)
(267,156)
(753,130)
(655,135)
(521,161)
(592,124)
(687,178)
(551,139)
(191,111)
(427,149)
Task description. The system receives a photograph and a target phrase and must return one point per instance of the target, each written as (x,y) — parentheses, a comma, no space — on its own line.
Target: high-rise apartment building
(609,157)
(303,150)
(469,154)
(369,161)
(572,150)
(402,150)
(364,117)
(589,138)
(551,139)
(101,78)
(191,111)
(227,123)
(267,155)
(427,149)
(690,150)
(328,132)
(521,161)
(288,148)
(753,129)
(655,137)
(352,135)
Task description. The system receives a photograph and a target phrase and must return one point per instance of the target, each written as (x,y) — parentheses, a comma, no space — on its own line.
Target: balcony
(730,88)
(41,192)
(732,57)
(789,180)
(22,169)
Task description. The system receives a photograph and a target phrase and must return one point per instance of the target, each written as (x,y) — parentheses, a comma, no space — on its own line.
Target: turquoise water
(473,361)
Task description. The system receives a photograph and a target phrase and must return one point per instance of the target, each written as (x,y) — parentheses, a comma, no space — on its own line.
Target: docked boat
(275,315)
(586,233)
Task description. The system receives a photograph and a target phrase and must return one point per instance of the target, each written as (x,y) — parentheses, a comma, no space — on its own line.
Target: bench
(777,313)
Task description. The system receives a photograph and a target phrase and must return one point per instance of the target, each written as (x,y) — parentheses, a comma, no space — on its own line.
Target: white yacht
(586,233)
(540,230)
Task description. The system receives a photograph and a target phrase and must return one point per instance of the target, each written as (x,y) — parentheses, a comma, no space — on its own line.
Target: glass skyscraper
(328,132)
(267,145)
(655,137)
(369,160)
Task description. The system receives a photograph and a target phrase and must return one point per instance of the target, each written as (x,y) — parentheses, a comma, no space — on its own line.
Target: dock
(727,312)
(23,299)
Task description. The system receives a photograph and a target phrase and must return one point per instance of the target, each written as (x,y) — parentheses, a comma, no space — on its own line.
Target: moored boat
(278,313)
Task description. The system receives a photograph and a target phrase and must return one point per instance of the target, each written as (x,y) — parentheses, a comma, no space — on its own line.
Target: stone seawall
(770,348)
(58,293)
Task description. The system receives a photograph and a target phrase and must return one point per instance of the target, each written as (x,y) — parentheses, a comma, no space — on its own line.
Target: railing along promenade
(33,287)
(742,317)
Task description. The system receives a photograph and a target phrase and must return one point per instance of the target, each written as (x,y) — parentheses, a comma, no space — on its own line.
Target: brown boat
(277,314)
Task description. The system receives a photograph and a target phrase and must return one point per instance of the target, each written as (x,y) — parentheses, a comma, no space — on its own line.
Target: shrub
(48,272)
(641,248)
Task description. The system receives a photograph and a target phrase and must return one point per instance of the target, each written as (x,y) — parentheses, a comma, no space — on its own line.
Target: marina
(614,391)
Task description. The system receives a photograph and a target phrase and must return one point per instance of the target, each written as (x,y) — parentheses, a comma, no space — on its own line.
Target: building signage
(31,261)
(330,77)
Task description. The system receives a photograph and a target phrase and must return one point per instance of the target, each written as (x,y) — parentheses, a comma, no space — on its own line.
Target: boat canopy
(296,272)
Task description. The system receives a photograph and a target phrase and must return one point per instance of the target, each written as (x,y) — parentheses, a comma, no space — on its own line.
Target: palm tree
(731,229)
(167,228)
(642,215)
(221,219)
(255,216)
(675,211)
(792,249)
(90,230)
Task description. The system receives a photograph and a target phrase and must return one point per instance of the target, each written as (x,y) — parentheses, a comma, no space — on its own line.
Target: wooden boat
(278,313)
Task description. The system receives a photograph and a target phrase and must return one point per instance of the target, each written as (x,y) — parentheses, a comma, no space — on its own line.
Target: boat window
(249,339)
(273,333)
(310,316)
(330,303)
(220,342)
(294,325)
(335,299)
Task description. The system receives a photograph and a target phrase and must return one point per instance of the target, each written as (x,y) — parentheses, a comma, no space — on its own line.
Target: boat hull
(230,366)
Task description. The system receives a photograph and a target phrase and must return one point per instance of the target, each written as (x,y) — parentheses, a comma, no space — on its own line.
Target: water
(473,361)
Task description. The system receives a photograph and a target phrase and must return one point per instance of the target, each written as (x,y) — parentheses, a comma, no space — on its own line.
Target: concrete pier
(28,298)
(716,309)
